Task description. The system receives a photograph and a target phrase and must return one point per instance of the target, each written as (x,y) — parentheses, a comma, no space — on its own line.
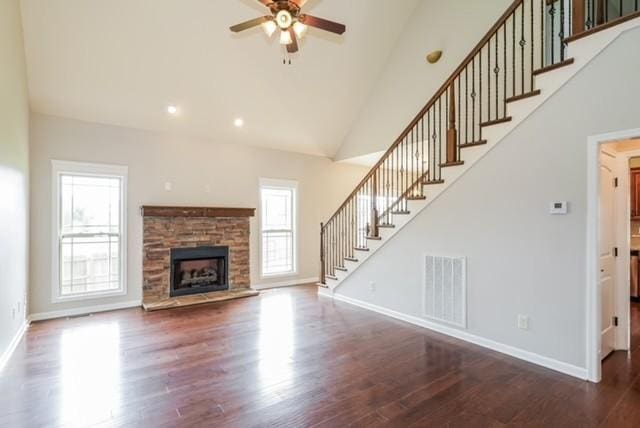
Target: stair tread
(496,121)
(523,96)
(473,144)
(387,226)
(360,249)
(430,182)
(553,66)
(351,259)
(374,238)
(416,198)
(448,164)
(335,278)
(342,268)
(400,212)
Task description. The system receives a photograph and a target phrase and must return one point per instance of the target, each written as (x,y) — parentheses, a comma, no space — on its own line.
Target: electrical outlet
(13,313)
(168,186)
(19,311)
(207,188)
(523,322)
(372,287)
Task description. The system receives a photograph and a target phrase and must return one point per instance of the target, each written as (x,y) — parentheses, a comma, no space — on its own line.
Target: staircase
(533,49)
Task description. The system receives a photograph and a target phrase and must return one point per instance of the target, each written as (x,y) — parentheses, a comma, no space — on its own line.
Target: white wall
(14,174)
(521,260)
(231,171)
(407,82)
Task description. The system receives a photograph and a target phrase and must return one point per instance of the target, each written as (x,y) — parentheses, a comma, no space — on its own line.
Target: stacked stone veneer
(161,234)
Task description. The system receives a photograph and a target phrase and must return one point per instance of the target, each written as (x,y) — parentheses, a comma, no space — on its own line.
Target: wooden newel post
(322,271)
(579,17)
(374,205)
(452,133)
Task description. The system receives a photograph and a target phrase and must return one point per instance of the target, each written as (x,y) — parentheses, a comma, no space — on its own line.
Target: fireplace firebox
(199,270)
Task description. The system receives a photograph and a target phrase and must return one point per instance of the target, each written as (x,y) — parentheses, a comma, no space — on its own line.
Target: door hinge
(615,321)
(615,182)
(615,251)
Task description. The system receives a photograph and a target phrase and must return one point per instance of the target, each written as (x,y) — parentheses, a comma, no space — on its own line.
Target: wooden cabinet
(634,184)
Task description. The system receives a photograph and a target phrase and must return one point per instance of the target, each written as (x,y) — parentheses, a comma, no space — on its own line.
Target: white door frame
(593,320)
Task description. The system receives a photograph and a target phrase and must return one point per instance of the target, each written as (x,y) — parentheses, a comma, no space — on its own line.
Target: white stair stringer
(582,51)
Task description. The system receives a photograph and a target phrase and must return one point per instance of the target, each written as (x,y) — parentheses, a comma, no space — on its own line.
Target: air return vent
(445,290)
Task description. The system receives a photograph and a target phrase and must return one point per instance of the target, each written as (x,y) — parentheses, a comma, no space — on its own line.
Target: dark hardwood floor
(291,358)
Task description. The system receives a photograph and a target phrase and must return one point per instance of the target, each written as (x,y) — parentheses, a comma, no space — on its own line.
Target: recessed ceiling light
(173,110)
(238,122)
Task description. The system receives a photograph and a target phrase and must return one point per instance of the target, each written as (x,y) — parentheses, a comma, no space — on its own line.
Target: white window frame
(58,168)
(280,184)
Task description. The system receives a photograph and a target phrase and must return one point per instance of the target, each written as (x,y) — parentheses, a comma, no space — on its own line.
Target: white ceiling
(122,62)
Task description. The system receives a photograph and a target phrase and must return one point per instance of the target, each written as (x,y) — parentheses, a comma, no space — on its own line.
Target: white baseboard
(550,363)
(289,283)
(4,358)
(83,310)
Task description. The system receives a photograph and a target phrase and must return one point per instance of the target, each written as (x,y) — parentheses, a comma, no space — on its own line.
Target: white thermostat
(558,207)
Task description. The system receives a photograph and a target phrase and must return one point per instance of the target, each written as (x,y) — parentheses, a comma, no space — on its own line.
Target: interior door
(607,257)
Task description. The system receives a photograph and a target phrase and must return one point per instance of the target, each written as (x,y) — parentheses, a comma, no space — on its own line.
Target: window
(89,230)
(278,227)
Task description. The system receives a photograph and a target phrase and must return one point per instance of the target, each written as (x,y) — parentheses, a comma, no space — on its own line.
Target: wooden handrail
(432,101)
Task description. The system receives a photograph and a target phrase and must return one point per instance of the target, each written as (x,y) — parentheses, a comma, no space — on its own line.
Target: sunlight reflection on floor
(276,341)
(90,374)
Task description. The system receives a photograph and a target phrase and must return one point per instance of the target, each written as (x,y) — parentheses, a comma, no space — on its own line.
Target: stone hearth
(167,228)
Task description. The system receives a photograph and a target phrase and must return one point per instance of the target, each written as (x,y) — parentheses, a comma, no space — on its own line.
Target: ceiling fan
(286,15)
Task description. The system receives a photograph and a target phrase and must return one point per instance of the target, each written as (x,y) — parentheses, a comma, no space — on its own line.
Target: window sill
(279,275)
(89,296)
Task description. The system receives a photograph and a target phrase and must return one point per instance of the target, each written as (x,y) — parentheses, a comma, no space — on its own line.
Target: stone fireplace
(195,255)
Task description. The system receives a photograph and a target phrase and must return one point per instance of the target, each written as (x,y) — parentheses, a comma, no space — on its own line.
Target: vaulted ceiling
(122,62)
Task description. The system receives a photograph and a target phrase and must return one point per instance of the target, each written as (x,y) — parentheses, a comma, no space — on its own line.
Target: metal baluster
(496,71)
(504,68)
(621,8)
(466,104)
(513,52)
(440,138)
(523,43)
(480,93)
(533,44)
(489,81)
(542,6)
(473,100)
(561,33)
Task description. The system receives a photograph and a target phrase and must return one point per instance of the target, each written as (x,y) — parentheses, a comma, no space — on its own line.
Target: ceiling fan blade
(323,24)
(266,2)
(250,24)
(300,3)
(293,46)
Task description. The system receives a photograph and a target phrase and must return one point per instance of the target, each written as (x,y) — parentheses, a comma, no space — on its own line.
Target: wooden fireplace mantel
(165,211)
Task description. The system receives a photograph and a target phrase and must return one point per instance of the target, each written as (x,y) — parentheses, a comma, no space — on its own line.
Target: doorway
(613,251)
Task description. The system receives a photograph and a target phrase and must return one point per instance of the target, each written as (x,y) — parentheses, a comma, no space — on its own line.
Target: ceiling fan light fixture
(284,19)
(300,29)
(285,38)
(269,28)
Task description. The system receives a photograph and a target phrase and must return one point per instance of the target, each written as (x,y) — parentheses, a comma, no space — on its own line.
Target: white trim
(593,303)
(6,355)
(292,283)
(84,311)
(521,354)
(282,184)
(92,169)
